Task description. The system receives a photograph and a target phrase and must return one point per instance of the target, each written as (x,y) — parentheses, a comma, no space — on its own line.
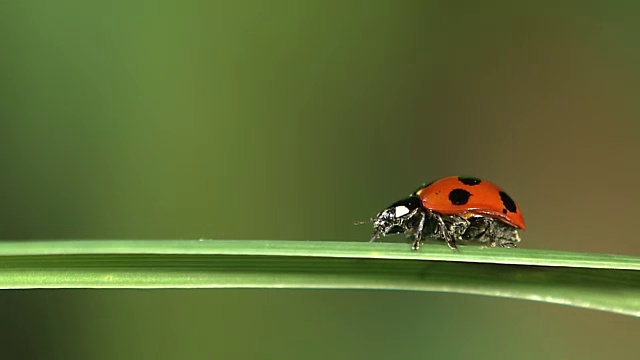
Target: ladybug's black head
(396,218)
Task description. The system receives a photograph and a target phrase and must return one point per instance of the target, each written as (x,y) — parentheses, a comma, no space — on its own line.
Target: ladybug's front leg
(418,233)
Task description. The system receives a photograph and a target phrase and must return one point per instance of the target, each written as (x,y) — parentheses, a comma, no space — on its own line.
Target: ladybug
(454,209)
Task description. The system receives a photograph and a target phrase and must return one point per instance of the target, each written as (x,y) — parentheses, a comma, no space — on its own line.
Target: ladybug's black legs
(457,226)
(449,228)
(443,231)
(418,234)
(490,232)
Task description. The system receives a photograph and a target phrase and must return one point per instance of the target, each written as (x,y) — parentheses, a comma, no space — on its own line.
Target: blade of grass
(595,281)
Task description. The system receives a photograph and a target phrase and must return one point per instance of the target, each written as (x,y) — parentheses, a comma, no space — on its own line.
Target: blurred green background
(290,120)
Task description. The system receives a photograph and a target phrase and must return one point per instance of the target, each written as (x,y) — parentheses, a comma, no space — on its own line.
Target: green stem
(595,281)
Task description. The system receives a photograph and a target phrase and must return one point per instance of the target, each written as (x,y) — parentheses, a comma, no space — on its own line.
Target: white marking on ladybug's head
(401,211)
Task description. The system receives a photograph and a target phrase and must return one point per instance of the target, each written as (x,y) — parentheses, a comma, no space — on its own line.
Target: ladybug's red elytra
(454,208)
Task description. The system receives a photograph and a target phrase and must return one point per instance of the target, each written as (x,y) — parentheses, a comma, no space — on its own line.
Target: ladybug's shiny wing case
(458,195)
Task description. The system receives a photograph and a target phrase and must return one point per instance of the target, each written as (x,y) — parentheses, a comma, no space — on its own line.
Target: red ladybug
(454,209)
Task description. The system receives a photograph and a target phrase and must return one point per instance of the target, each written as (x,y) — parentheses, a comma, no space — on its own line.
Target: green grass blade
(595,281)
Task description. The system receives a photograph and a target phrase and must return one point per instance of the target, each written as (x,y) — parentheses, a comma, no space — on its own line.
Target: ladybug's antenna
(363,222)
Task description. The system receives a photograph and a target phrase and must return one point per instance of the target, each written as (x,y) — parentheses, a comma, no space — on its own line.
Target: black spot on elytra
(504,211)
(459,196)
(508,202)
(469,180)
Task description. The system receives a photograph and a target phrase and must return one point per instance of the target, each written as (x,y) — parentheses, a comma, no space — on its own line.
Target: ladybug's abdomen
(459,195)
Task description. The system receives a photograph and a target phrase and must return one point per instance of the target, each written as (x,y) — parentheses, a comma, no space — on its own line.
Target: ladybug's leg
(490,232)
(457,226)
(418,232)
(445,232)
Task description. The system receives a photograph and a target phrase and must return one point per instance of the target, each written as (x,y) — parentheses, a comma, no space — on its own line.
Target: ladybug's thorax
(465,195)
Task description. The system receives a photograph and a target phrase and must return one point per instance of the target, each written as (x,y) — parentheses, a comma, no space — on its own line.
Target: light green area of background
(290,120)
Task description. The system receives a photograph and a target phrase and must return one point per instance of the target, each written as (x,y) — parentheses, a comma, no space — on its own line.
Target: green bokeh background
(290,120)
